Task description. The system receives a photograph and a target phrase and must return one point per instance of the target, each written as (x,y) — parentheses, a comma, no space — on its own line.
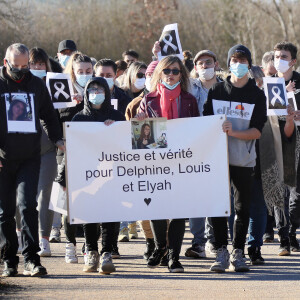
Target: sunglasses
(95,91)
(140,75)
(173,71)
(13,69)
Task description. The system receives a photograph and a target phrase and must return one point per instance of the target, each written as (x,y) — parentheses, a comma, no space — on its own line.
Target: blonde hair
(131,74)
(165,63)
(76,57)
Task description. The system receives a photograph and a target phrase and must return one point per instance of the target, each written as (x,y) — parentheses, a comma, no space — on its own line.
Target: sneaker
(196,251)
(123,235)
(106,265)
(284,249)
(45,248)
(175,266)
(255,256)
(132,231)
(91,261)
(268,237)
(33,268)
(164,261)
(115,252)
(156,257)
(55,235)
(237,262)
(71,256)
(294,243)
(10,270)
(222,261)
(20,242)
(150,246)
(210,249)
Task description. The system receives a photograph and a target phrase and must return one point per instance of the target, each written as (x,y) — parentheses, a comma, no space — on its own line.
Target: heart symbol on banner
(147,201)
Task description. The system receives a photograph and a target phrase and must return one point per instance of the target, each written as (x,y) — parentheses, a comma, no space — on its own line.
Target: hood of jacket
(106,105)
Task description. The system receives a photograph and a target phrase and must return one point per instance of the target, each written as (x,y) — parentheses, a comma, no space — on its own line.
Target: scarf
(279,162)
(168,102)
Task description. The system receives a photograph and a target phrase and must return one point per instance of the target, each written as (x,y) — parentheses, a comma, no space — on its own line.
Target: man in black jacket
(20,158)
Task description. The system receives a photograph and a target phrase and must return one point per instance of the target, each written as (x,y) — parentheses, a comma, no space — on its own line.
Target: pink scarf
(168,102)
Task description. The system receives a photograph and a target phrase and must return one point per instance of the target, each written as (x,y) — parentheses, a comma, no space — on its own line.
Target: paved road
(279,278)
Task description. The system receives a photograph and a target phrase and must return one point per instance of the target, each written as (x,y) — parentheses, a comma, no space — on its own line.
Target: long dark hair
(10,113)
(142,135)
(39,55)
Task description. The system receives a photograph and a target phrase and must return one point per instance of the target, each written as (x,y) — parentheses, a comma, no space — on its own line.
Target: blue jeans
(21,177)
(258,215)
(197,227)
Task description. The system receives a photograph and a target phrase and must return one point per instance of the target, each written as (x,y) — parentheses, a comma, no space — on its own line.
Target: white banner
(149,170)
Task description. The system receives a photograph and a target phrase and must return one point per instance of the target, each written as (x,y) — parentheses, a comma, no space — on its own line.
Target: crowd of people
(263,153)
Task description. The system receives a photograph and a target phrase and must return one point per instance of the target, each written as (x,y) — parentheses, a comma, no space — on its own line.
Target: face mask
(63,60)
(170,87)
(39,73)
(139,83)
(239,70)
(110,82)
(206,74)
(96,99)
(148,84)
(281,65)
(83,79)
(15,73)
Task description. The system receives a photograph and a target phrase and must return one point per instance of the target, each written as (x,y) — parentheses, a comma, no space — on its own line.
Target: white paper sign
(170,42)
(114,181)
(58,200)
(275,92)
(20,112)
(292,101)
(61,89)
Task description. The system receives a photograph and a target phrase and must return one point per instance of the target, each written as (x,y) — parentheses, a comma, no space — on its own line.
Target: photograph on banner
(149,133)
(187,176)
(275,92)
(114,103)
(61,89)
(20,112)
(169,42)
(292,101)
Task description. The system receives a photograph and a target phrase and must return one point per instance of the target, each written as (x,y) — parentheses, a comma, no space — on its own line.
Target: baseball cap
(67,44)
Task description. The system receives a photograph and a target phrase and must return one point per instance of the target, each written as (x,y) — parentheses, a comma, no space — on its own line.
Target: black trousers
(21,177)
(242,180)
(175,235)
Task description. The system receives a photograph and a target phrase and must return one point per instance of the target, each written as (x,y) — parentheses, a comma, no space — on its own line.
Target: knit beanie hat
(152,66)
(242,49)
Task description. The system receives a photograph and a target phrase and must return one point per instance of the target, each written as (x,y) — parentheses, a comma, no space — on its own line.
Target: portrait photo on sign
(170,42)
(60,89)
(276,96)
(149,134)
(20,112)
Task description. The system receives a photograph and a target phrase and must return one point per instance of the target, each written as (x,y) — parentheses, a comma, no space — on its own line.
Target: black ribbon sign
(60,91)
(168,43)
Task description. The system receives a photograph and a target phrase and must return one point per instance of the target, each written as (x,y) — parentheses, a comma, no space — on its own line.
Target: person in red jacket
(168,98)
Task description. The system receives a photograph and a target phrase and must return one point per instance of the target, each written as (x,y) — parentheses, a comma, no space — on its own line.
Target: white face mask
(110,82)
(281,65)
(148,84)
(206,74)
(140,83)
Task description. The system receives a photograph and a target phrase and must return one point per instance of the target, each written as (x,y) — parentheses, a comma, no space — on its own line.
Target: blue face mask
(83,79)
(239,70)
(110,82)
(170,87)
(39,73)
(96,99)
(63,60)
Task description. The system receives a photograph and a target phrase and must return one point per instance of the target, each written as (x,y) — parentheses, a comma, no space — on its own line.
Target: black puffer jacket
(20,146)
(88,114)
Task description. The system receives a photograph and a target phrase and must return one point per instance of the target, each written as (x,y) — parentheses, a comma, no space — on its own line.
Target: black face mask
(15,73)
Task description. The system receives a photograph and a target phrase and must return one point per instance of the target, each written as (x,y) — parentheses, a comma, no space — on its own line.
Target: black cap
(242,49)
(66,44)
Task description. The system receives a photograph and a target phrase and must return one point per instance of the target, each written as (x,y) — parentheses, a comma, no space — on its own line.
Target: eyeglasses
(140,75)
(173,71)
(13,69)
(95,91)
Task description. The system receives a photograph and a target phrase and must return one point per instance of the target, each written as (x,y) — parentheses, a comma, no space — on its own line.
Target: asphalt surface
(279,278)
